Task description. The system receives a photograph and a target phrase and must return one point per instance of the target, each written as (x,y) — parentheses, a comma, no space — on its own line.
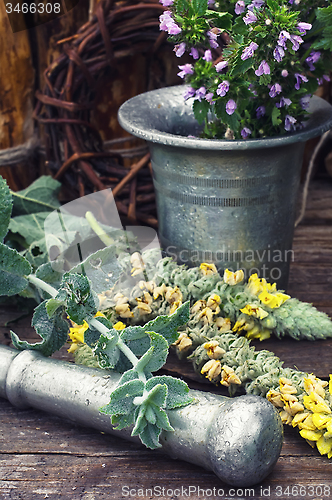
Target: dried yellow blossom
(120,299)
(123,310)
(206,315)
(275,398)
(198,306)
(213,302)
(148,285)
(211,369)
(255,311)
(173,295)
(228,376)
(137,263)
(159,291)
(208,269)
(224,324)
(307,424)
(175,305)
(213,350)
(183,342)
(143,308)
(286,418)
(286,386)
(258,333)
(233,278)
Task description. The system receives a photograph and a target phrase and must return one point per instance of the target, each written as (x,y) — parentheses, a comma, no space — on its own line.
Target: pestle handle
(239,439)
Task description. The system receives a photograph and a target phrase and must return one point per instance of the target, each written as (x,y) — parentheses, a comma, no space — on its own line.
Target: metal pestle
(239,439)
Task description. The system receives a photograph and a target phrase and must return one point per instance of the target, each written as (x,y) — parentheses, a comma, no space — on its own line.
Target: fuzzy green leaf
(201,109)
(75,291)
(121,402)
(106,350)
(275,117)
(150,436)
(6,204)
(53,331)
(156,356)
(177,390)
(13,269)
(40,196)
(92,335)
(51,272)
(199,6)
(102,268)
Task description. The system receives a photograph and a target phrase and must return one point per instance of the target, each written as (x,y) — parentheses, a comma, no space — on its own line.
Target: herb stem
(41,284)
(100,232)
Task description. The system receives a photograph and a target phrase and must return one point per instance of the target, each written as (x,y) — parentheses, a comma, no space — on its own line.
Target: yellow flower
(175,305)
(255,284)
(213,302)
(224,324)
(272,300)
(320,420)
(76,333)
(299,417)
(311,435)
(183,342)
(324,446)
(330,385)
(119,326)
(214,351)
(208,269)
(229,377)
(308,424)
(233,278)
(255,311)
(316,403)
(258,333)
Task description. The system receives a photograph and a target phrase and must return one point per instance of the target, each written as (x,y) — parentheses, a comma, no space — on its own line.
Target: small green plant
(140,399)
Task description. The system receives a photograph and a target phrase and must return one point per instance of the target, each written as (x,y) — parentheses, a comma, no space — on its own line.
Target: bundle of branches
(75,152)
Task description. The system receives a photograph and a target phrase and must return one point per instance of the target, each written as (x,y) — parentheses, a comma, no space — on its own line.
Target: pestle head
(245,440)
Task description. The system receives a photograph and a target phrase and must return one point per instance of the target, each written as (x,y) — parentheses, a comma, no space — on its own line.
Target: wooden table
(43,456)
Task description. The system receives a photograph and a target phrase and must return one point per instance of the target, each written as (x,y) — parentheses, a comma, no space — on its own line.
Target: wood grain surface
(43,456)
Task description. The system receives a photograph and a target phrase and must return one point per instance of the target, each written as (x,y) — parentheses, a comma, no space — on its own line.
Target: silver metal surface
(228,202)
(238,438)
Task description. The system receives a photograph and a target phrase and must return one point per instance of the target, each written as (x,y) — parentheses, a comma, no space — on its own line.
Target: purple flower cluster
(168,24)
(230,107)
(223,88)
(295,40)
(186,69)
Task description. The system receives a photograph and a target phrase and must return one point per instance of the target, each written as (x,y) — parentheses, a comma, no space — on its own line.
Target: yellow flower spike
(119,326)
(208,269)
(255,311)
(233,278)
(311,435)
(320,420)
(324,446)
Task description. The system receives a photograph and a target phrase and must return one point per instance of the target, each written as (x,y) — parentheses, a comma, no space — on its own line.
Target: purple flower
(167,23)
(275,90)
(245,132)
(312,58)
(289,123)
(200,93)
(263,69)
(189,92)
(207,55)
(213,38)
(249,51)
(284,73)
(194,53)
(283,37)
(321,80)
(223,88)
(296,40)
(166,3)
(221,65)
(249,18)
(240,7)
(180,49)
(211,3)
(260,111)
(305,101)
(230,107)
(304,27)
(284,101)
(299,79)
(258,3)
(186,69)
(278,53)
(209,97)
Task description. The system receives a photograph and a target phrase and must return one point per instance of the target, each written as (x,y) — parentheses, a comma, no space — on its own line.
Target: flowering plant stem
(255,65)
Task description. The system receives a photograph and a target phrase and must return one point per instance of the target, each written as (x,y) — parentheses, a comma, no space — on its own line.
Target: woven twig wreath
(74,149)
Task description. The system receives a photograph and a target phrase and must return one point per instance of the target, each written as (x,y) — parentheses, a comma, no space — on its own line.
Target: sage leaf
(106,350)
(177,390)
(13,269)
(121,402)
(150,436)
(6,204)
(53,331)
(156,355)
(40,196)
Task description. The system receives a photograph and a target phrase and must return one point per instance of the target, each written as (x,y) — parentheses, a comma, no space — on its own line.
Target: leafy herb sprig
(140,399)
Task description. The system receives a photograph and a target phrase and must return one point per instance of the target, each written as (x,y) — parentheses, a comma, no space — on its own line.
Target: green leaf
(92,335)
(121,402)
(167,326)
(13,269)
(275,117)
(53,305)
(106,350)
(201,109)
(177,390)
(6,204)
(122,421)
(156,356)
(199,6)
(51,272)
(240,67)
(102,268)
(181,6)
(76,291)
(150,436)
(53,331)
(221,20)
(40,196)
